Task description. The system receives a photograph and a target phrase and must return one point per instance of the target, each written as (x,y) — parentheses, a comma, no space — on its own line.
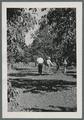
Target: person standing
(65,65)
(40,62)
(49,63)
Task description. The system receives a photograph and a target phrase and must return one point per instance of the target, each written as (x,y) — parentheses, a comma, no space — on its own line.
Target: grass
(56,89)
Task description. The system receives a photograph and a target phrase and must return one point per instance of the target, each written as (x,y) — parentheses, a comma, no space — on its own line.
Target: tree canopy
(55,36)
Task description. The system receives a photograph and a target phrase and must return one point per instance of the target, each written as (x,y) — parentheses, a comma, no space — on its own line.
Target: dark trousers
(40,66)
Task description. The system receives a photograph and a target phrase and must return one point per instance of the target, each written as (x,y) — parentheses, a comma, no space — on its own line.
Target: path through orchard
(55,92)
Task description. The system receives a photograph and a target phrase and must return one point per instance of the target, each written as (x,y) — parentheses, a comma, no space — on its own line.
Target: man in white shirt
(40,62)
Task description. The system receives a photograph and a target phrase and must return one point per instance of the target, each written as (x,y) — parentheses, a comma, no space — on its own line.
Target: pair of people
(40,62)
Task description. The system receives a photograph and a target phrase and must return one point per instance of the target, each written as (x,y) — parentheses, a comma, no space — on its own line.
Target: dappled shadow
(26,69)
(67,109)
(22,74)
(41,86)
(71,72)
(74,76)
(53,109)
(21,68)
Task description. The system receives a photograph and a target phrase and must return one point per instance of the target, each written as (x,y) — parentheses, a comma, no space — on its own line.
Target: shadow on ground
(22,74)
(56,109)
(37,86)
(71,73)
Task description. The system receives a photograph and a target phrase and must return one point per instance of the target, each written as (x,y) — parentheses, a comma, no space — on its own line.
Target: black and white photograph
(42,59)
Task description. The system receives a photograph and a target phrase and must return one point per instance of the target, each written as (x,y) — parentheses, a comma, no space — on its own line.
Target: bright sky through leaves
(38,14)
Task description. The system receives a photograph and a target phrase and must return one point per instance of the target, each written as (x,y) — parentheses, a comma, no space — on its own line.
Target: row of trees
(55,37)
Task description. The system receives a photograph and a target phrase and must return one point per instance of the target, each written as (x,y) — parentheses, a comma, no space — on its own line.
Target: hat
(48,57)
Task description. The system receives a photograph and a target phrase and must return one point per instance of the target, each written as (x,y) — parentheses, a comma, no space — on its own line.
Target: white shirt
(40,60)
(65,62)
(49,62)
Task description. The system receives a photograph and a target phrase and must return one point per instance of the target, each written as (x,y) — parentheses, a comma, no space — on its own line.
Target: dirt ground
(49,92)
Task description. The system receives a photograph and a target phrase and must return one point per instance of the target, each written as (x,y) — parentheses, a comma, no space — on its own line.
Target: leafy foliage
(18,24)
(55,36)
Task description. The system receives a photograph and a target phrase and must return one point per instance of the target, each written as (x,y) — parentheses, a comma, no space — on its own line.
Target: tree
(19,22)
(63,22)
(56,36)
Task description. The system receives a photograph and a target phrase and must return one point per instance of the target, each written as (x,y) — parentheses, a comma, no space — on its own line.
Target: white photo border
(78,6)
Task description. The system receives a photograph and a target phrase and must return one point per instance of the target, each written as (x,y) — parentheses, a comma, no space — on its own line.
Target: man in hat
(49,63)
